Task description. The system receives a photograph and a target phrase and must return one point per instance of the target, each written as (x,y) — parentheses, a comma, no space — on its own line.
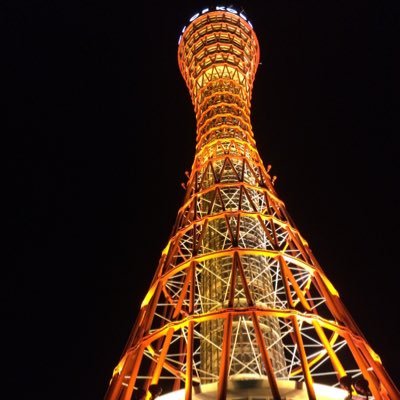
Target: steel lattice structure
(238,293)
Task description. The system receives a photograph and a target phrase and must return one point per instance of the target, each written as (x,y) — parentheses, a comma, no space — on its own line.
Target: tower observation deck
(239,307)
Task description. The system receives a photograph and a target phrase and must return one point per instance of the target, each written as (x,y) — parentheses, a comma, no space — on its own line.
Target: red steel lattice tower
(238,306)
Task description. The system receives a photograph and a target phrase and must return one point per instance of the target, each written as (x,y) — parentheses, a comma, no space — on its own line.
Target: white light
(178,394)
(184,28)
(251,26)
(231,10)
(329,391)
(205,10)
(220,8)
(322,391)
(180,38)
(194,17)
(243,16)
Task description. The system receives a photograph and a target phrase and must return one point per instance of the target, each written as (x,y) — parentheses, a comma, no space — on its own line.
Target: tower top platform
(216,8)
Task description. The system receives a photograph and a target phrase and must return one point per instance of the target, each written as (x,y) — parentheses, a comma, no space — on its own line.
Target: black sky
(94,87)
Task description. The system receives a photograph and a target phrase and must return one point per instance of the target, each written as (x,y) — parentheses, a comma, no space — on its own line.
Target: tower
(239,307)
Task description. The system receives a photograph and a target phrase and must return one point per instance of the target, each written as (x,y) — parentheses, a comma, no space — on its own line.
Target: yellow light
(118,368)
(148,297)
(329,285)
(166,249)
(374,355)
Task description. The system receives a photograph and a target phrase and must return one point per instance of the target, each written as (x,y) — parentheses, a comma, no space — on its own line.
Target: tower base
(252,388)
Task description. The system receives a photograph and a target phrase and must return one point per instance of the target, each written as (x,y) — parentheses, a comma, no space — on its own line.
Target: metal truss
(237,291)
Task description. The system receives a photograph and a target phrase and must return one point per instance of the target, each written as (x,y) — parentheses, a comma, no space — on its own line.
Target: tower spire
(238,305)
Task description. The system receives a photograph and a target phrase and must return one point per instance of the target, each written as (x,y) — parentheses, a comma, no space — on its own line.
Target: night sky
(101,131)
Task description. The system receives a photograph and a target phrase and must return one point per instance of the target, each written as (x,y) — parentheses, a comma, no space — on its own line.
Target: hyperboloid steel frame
(237,291)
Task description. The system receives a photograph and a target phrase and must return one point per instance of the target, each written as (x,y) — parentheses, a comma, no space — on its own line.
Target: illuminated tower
(238,306)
